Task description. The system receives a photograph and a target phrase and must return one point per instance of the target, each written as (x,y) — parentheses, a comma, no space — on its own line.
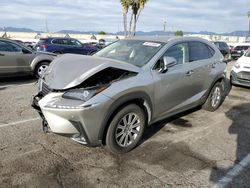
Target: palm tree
(136,7)
(125,6)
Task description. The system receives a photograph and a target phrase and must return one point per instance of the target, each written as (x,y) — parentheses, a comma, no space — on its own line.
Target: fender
(125,99)
(41,58)
(220,77)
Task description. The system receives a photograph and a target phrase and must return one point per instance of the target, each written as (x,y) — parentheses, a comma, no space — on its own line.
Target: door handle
(189,73)
(2,54)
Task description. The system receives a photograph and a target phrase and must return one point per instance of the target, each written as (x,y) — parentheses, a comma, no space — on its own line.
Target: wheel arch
(36,62)
(219,78)
(139,98)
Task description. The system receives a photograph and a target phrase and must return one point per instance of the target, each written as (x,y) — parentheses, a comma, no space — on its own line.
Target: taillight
(45,46)
(233,50)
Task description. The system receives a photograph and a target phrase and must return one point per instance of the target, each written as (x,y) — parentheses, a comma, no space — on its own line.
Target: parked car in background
(65,45)
(224,49)
(30,44)
(17,59)
(240,74)
(109,98)
(239,50)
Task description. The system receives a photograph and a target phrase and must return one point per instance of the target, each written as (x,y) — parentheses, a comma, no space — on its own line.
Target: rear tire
(126,129)
(215,98)
(57,52)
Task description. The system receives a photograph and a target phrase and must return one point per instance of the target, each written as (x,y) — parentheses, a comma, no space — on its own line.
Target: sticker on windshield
(151,44)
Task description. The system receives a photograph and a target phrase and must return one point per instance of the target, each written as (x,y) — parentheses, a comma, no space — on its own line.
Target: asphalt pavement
(193,149)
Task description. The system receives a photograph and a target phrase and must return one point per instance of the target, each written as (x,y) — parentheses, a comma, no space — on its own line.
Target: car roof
(164,39)
(55,38)
(246,44)
(13,41)
(10,40)
(220,42)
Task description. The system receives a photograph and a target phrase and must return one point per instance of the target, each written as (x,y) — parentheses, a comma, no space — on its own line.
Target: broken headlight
(83,94)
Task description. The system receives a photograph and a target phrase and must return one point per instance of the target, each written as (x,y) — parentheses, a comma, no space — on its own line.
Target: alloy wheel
(216,97)
(41,70)
(128,129)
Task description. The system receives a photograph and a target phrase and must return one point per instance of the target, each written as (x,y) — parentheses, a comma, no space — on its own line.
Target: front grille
(244,75)
(45,89)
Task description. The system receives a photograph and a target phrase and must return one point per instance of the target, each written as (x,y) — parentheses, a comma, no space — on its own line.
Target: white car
(240,74)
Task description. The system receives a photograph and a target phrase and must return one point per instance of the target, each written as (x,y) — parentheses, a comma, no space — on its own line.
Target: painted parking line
(12,85)
(18,122)
(233,173)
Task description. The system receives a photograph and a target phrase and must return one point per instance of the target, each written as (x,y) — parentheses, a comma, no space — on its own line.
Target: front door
(12,59)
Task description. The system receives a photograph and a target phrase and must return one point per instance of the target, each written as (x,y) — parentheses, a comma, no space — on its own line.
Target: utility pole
(165,26)
(248,14)
(46,25)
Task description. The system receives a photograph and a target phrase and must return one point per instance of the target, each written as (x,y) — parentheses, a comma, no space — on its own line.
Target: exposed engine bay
(106,77)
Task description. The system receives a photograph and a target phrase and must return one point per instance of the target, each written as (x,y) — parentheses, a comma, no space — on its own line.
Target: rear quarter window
(42,41)
(199,51)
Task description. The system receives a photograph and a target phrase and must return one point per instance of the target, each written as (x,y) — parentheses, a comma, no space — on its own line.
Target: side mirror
(167,63)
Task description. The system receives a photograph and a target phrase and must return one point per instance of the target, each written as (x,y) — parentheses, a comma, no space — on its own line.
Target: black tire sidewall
(57,52)
(110,137)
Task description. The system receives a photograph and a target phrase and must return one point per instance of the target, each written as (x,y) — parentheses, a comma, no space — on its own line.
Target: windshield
(248,53)
(135,52)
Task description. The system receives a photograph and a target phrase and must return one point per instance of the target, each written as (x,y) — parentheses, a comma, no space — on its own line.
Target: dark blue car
(65,45)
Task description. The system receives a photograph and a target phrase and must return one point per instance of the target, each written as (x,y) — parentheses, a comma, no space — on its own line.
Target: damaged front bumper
(67,117)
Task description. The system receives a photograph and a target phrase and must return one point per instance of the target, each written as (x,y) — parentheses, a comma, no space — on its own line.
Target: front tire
(126,129)
(41,68)
(215,98)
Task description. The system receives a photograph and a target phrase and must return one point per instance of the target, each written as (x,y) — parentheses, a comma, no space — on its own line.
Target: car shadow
(240,116)
(16,80)
(177,120)
(239,87)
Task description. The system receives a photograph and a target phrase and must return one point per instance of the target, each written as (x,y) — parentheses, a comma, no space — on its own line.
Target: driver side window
(179,52)
(9,47)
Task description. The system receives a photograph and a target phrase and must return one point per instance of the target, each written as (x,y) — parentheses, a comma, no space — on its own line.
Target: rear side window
(241,47)
(60,41)
(246,47)
(73,42)
(199,51)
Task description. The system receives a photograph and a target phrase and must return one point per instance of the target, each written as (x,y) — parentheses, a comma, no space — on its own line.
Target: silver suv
(109,98)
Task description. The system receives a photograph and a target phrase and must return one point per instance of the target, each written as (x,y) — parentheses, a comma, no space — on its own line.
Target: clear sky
(95,15)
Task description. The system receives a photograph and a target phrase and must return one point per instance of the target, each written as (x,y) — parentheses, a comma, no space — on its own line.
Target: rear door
(202,63)
(60,45)
(77,47)
(13,60)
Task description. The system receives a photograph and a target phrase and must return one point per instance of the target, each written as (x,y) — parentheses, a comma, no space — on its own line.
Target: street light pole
(248,14)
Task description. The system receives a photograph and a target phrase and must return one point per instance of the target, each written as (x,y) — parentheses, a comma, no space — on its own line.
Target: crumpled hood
(70,70)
